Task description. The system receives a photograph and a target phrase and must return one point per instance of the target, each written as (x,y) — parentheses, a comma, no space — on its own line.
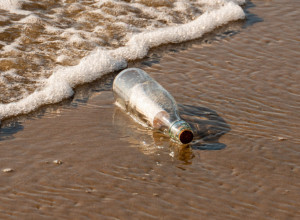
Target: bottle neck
(181,131)
(163,120)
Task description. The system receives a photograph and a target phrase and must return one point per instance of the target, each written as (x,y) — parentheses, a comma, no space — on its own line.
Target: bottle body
(147,101)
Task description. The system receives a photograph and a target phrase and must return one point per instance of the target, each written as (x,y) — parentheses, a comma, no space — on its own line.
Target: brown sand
(240,91)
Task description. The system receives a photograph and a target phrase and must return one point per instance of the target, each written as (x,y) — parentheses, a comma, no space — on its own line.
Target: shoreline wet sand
(86,159)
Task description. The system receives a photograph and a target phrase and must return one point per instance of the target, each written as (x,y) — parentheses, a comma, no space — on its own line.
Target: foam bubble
(13,6)
(31,19)
(76,38)
(10,4)
(61,58)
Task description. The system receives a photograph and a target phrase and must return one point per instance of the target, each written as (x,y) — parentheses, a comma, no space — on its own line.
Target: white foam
(61,58)
(60,84)
(11,47)
(52,29)
(12,73)
(76,38)
(31,19)
(139,45)
(10,4)
(3,18)
(13,6)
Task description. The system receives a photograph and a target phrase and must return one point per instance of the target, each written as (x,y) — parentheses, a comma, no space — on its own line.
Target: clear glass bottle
(147,101)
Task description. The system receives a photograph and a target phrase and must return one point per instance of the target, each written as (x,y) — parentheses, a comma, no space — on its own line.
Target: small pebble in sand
(281,138)
(59,162)
(7,170)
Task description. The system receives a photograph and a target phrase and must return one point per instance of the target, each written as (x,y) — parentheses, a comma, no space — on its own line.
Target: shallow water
(48,48)
(240,91)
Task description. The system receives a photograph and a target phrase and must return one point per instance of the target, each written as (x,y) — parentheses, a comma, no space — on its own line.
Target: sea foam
(101,61)
(13,6)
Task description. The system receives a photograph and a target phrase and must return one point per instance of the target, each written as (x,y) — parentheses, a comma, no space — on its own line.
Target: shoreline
(99,61)
(153,57)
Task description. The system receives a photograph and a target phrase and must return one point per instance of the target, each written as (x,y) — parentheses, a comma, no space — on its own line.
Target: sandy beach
(238,87)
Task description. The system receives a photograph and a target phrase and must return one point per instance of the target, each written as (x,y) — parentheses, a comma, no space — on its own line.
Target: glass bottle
(148,102)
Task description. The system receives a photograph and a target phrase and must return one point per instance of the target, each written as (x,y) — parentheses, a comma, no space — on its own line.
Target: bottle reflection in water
(148,102)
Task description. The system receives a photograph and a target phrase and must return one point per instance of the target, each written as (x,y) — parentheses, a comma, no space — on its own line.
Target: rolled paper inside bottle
(142,102)
(161,119)
(181,131)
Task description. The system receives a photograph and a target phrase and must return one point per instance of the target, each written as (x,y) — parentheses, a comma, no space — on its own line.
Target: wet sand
(238,87)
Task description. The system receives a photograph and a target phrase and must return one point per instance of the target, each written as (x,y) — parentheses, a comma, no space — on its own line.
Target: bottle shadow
(207,126)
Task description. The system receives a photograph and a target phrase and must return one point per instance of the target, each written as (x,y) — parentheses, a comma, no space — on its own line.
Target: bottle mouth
(181,131)
(186,136)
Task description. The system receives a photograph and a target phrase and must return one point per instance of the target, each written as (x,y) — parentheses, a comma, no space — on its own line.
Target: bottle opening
(186,136)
